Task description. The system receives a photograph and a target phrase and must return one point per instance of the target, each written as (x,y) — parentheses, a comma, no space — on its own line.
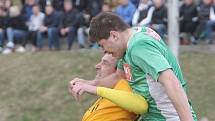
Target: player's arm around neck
(110,80)
(176,94)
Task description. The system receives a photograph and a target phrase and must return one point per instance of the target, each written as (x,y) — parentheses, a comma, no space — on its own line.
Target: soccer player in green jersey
(147,63)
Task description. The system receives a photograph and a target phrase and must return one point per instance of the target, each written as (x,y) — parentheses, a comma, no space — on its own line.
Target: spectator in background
(80,4)
(159,18)
(35,23)
(8,4)
(83,29)
(51,26)
(143,13)
(126,11)
(135,2)
(89,8)
(70,23)
(4,11)
(113,3)
(58,5)
(16,30)
(2,27)
(27,9)
(188,17)
(42,4)
(5,5)
(106,7)
(95,7)
(203,17)
(210,24)
(87,12)
(1,4)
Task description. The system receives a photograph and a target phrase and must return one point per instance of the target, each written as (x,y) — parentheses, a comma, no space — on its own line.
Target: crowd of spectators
(34,20)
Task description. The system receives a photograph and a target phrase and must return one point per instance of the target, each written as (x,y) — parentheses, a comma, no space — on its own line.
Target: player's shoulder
(123,85)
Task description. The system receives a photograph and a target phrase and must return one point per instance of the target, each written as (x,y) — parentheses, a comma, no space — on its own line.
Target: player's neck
(127,36)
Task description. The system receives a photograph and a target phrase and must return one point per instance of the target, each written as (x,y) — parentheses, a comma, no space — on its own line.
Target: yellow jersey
(105,110)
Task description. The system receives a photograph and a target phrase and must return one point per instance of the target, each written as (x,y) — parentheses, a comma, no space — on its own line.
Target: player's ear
(114,35)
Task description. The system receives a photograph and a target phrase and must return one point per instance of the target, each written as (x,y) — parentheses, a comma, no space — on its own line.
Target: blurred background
(44,44)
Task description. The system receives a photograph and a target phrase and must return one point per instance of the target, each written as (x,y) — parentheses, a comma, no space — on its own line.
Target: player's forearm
(177,95)
(127,100)
(92,82)
(180,102)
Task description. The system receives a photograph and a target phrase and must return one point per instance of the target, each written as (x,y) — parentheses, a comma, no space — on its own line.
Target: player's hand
(82,80)
(75,80)
(72,85)
(78,89)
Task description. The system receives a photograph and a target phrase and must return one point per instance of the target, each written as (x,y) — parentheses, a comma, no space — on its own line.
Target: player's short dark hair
(103,23)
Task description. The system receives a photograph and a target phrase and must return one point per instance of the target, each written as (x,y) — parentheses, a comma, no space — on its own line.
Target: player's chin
(98,75)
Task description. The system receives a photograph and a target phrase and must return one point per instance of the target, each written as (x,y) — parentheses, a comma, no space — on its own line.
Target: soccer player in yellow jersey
(105,110)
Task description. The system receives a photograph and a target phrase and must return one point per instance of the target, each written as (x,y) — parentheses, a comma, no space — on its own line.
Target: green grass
(33,87)
(199,70)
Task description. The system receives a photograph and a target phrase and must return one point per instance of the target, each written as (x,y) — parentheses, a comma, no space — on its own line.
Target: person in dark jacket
(159,18)
(188,17)
(42,4)
(142,14)
(16,30)
(58,5)
(2,27)
(203,17)
(210,25)
(27,10)
(51,26)
(70,22)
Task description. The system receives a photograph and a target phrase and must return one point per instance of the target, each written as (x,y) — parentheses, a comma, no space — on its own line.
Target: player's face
(106,66)
(113,45)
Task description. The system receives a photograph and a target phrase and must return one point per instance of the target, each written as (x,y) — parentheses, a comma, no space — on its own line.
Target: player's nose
(98,66)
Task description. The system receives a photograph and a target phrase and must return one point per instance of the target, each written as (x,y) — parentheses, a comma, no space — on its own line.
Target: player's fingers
(73,89)
(70,88)
(76,91)
(81,92)
(79,96)
(72,82)
(71,85)
(71,92)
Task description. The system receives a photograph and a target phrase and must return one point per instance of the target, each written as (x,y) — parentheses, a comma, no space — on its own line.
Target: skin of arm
(176,94)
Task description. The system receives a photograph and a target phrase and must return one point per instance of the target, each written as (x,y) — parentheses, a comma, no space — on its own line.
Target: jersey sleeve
(127,100)
(149,59)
